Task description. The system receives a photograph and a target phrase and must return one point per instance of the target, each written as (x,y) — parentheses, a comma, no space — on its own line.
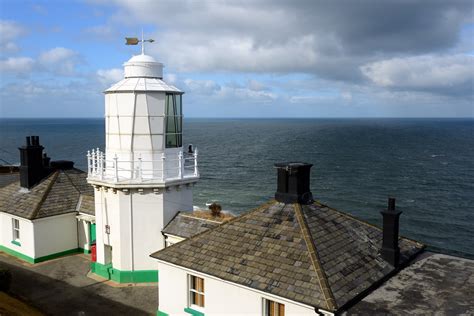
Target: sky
(260,58)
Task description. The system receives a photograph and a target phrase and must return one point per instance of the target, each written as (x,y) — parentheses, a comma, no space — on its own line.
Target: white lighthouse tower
(143,179)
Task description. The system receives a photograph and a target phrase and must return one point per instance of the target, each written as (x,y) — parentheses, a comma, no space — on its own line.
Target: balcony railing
(167,168)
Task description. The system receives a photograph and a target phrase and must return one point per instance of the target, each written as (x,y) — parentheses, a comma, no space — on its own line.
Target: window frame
(16,234)
(191,291)
(174,103)
(265,308)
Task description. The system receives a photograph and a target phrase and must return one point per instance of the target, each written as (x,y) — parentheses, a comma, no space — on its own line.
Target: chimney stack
(293,184)
(390,251)
(31,166)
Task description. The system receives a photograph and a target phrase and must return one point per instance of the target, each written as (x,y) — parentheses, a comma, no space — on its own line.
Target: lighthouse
(143,178)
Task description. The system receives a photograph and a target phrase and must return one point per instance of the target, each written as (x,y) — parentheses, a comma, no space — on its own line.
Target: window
(272,308)
(196,291)
(16,229)
(174,121)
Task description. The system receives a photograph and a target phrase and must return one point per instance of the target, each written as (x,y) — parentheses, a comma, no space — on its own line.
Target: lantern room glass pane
(174,120)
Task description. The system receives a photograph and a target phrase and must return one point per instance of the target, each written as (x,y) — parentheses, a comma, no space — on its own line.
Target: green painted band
(40,259)
(57,255)
(110,273)
(85,251)
(160,313)
(17,254)
(193,312)
(16,243)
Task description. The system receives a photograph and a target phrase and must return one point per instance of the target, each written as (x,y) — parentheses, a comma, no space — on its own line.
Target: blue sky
(244,59)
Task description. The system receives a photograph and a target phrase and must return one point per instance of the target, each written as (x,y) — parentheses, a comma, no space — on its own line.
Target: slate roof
(185,225)
(310,254)
(56,194)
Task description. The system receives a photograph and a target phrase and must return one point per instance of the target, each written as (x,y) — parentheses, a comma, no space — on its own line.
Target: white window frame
(16,230)
(265,309)
(191,290)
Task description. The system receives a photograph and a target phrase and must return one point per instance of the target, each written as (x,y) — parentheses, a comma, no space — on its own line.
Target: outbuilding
(291,256)
(46,209)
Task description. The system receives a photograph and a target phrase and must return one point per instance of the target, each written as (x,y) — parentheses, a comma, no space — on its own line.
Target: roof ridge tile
(52,178)
(313,253)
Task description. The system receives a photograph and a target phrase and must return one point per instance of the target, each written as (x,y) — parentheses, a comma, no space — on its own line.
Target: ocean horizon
(426,163)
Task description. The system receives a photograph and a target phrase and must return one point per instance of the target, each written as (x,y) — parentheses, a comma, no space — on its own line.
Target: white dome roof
(142,58)
(143,66)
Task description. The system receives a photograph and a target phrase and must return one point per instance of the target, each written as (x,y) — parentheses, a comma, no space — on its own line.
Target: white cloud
(102,32)
(9,32)
(17,65)
(205,87)
(59,60)
(426,72)
(109,76)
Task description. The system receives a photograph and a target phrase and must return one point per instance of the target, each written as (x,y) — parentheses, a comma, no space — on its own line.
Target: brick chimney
(31,162)
(293,184)
(390,251)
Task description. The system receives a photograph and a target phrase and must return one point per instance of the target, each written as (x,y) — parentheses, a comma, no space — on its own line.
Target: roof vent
(293,184)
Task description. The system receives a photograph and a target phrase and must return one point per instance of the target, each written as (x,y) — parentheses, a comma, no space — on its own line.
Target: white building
(45,209)
(292,256)
(143,178)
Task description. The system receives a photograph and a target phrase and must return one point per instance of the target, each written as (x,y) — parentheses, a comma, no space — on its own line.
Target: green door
(92,228)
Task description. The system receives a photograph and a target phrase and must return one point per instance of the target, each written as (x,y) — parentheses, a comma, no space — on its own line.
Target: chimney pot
(293,184)
(390,251)
(28,141)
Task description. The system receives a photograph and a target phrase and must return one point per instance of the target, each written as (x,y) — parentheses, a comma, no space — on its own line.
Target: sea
(426,164)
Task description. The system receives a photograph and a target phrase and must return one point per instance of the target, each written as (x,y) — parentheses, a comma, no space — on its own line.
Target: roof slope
(142,84)
(185,225)
(56,194)
(307,253)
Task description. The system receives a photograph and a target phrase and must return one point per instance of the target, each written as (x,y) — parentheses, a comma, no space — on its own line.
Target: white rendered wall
(141,214)
(27,239)
(222,298)
(55,234)
(83,233)
(135,127)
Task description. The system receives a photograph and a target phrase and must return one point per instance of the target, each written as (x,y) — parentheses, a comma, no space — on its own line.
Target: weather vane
(135,41)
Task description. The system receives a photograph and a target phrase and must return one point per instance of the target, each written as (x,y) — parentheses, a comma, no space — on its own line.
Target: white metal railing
(171,167)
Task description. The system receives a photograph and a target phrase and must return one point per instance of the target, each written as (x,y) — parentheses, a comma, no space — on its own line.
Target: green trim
(57,255)
(84,251)
(92,233)
(40,259)
(108,272)
(16,243)
(17,254)
(160,313)
(193,312)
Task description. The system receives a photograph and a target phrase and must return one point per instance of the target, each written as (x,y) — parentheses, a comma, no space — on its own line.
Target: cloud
(437,74)
(210,91)
(101,32)
(17,65)
(203,87)
(110,76)
(328,39)
(59,60)
(9,32)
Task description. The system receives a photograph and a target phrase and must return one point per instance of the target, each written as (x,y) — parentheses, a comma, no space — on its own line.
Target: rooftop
(311,254)
(433,283)
(59,193)
(186,225)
